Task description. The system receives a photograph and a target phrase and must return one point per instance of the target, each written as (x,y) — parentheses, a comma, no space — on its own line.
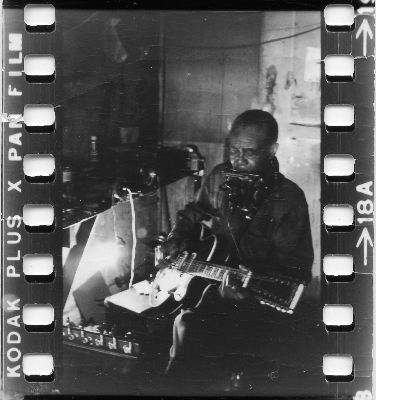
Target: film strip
(28,249)
(342,276)
(355,239)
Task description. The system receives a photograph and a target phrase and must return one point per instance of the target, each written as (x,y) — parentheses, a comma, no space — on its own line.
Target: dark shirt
(278,237)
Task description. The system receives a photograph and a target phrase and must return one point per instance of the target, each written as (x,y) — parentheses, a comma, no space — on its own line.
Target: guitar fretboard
(205,270)
(272,289)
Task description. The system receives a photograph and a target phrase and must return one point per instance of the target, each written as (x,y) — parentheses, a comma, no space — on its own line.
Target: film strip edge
(18,142)
(357,241)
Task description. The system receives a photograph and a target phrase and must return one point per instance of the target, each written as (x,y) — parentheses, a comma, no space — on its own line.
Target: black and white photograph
(191,201)
(188,200)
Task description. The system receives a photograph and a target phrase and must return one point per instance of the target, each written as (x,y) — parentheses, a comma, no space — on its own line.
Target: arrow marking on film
(367,239)
(366,31)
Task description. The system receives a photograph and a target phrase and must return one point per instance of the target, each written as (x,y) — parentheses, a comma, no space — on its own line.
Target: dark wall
(209,77)
(109,77)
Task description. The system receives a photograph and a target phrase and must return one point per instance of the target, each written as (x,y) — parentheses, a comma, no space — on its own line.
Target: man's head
(253,139)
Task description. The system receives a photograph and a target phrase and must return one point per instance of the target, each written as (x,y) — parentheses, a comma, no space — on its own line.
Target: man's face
(249,149)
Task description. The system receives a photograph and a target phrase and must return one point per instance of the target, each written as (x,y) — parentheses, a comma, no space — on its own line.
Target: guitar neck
(216,272)
(273,289)
(208,270)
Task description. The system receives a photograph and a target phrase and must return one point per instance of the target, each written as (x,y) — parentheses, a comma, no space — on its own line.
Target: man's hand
(170,249)
(231,288)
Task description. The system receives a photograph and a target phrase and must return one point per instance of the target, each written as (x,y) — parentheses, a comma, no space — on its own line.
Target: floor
(291,366)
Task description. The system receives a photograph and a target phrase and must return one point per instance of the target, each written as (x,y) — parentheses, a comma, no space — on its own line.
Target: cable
(133,237)
(293,27)
(82,23)
(242,46)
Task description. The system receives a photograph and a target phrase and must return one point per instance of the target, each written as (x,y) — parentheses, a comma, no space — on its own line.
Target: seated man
(275,236)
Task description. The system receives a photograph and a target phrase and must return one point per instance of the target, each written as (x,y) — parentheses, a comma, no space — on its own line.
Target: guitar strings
(203,264)
(192,265)
(221,268)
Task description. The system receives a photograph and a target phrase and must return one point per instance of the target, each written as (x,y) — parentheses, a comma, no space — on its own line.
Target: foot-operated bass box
(188,199)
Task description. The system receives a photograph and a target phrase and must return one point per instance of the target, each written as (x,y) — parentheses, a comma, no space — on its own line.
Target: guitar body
(185,288)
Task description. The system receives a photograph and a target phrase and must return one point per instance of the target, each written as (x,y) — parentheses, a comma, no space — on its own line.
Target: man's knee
(182,325)
(184,317)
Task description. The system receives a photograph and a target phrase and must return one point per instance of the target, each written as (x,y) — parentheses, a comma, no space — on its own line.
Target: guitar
(181,281)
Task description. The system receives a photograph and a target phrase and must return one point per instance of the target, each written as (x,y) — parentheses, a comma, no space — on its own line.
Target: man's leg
(194,352)
(200,339)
